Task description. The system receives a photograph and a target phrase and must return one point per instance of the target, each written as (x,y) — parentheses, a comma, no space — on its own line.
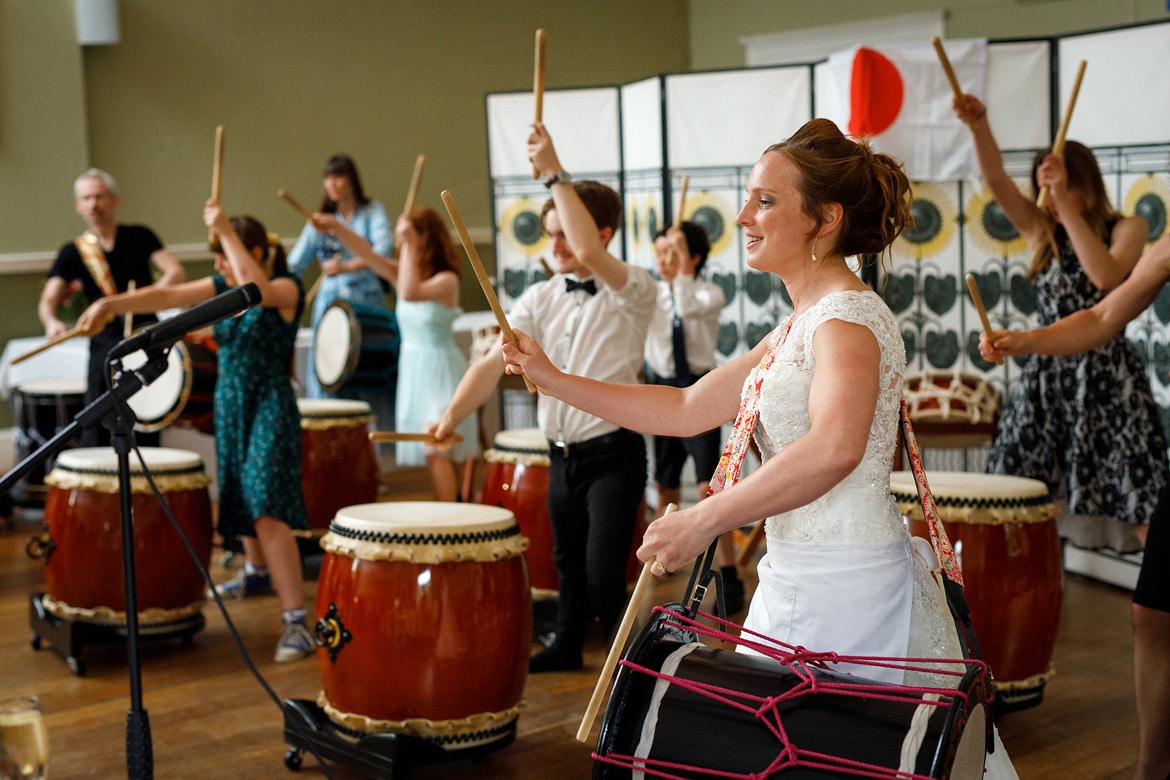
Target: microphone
(165,333)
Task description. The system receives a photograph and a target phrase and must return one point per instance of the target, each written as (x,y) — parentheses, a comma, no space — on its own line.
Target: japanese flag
(900,97)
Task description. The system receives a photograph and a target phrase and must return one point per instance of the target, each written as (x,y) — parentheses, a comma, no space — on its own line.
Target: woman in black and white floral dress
(1084,424)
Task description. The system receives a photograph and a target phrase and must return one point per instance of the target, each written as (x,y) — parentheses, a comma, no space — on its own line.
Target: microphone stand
(111,410)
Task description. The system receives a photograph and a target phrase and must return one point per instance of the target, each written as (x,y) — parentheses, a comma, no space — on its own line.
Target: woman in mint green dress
(430,365)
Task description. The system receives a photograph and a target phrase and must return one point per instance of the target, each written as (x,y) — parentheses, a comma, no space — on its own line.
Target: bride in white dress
(820,395)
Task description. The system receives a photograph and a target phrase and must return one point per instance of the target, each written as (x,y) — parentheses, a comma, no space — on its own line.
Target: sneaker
(295,643)
(243,584)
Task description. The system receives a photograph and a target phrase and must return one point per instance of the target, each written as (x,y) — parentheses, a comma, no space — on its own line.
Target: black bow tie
(588,285)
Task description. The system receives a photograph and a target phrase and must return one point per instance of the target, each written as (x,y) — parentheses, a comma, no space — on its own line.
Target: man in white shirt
(592,319)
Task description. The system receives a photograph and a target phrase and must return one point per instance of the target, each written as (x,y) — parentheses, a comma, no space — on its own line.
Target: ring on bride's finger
(657,568)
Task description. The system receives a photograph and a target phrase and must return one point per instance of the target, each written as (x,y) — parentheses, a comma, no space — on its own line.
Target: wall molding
(40,262)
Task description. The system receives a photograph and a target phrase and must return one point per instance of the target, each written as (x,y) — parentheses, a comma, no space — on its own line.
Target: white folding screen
(643,137)
(585,128)
(1122,100)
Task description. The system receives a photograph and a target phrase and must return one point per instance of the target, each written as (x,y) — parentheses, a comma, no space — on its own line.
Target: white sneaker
(295,643)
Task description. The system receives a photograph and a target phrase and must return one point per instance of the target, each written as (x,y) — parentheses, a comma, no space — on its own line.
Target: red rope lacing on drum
(765,708)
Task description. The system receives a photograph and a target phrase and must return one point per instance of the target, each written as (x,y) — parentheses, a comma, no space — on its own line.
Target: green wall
(292,81)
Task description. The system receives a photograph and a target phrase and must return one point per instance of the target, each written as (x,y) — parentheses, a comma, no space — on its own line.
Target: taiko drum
(83,554)
(424,622)
(1004,532)
(339,464)
(516,478)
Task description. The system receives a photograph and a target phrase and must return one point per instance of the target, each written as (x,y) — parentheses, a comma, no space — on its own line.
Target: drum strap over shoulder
(95,262)
(952,582)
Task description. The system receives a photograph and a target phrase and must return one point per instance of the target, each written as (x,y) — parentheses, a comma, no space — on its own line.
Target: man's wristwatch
(560,177)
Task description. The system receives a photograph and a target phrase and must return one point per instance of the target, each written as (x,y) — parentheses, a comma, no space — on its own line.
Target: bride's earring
(814,249)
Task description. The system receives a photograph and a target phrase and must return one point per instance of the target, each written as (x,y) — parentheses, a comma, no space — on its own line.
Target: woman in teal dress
(430,365)
(257,425)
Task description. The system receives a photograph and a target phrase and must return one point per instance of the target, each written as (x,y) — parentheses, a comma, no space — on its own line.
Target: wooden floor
(210,718)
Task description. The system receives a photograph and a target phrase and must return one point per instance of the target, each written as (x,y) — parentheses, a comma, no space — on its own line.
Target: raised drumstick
(538,86)
(682,200)
(304,212)
(946,66)
(414,180)
(128,318)
(481,274)
(71,333)
(216,174)
(977,299)
(547,269)
(619,643)
(426,438)
(1058,144)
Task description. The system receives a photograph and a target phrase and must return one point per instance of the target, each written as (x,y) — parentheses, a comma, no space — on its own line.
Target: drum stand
(111,409)
(67,636)
(380,755)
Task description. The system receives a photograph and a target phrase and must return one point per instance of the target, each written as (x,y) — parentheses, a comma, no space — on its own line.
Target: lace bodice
(859,508)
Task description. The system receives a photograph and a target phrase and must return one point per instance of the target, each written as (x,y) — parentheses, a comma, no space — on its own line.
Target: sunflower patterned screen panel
(754,301)
(521,243)
(643,216)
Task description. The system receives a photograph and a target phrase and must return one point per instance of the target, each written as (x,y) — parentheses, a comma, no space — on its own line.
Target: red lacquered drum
(339,465)
(83,562)
(424,622)
(1004,532)
(517,479)
(950,396)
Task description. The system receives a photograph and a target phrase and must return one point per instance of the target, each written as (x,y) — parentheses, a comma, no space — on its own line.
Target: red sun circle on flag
(875,93)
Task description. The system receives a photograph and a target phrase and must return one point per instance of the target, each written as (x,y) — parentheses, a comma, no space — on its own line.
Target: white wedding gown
(841,574)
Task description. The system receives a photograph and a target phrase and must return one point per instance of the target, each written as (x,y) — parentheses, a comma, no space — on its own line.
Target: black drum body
(686,710)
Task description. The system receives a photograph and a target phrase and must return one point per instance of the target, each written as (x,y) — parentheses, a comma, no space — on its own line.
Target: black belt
(596,444)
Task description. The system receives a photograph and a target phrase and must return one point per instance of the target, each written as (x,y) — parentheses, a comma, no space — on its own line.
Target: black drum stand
(385,755)
(68,636)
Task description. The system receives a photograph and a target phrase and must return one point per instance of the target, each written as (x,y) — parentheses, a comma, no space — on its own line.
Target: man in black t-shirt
(105,259)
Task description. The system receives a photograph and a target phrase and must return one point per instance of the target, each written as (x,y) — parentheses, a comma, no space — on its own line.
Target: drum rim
(355,346)
(172,463)
(150,426)
(52,387)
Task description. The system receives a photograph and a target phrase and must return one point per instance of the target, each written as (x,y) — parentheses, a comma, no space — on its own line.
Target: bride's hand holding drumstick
(526,358)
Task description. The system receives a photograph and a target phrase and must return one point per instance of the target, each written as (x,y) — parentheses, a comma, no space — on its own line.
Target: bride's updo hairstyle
(871,187)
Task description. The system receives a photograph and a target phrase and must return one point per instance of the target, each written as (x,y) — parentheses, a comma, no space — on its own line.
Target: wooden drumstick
(538,86)
(946,66)
(426,438)
(619,643)
(304,212)
(128,317)
(71,333)
(753,541)
(682,200)
(1058,144)
(414,180)
(316,285)
(216,174)
(547,269)
(977,299)
(481,274)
